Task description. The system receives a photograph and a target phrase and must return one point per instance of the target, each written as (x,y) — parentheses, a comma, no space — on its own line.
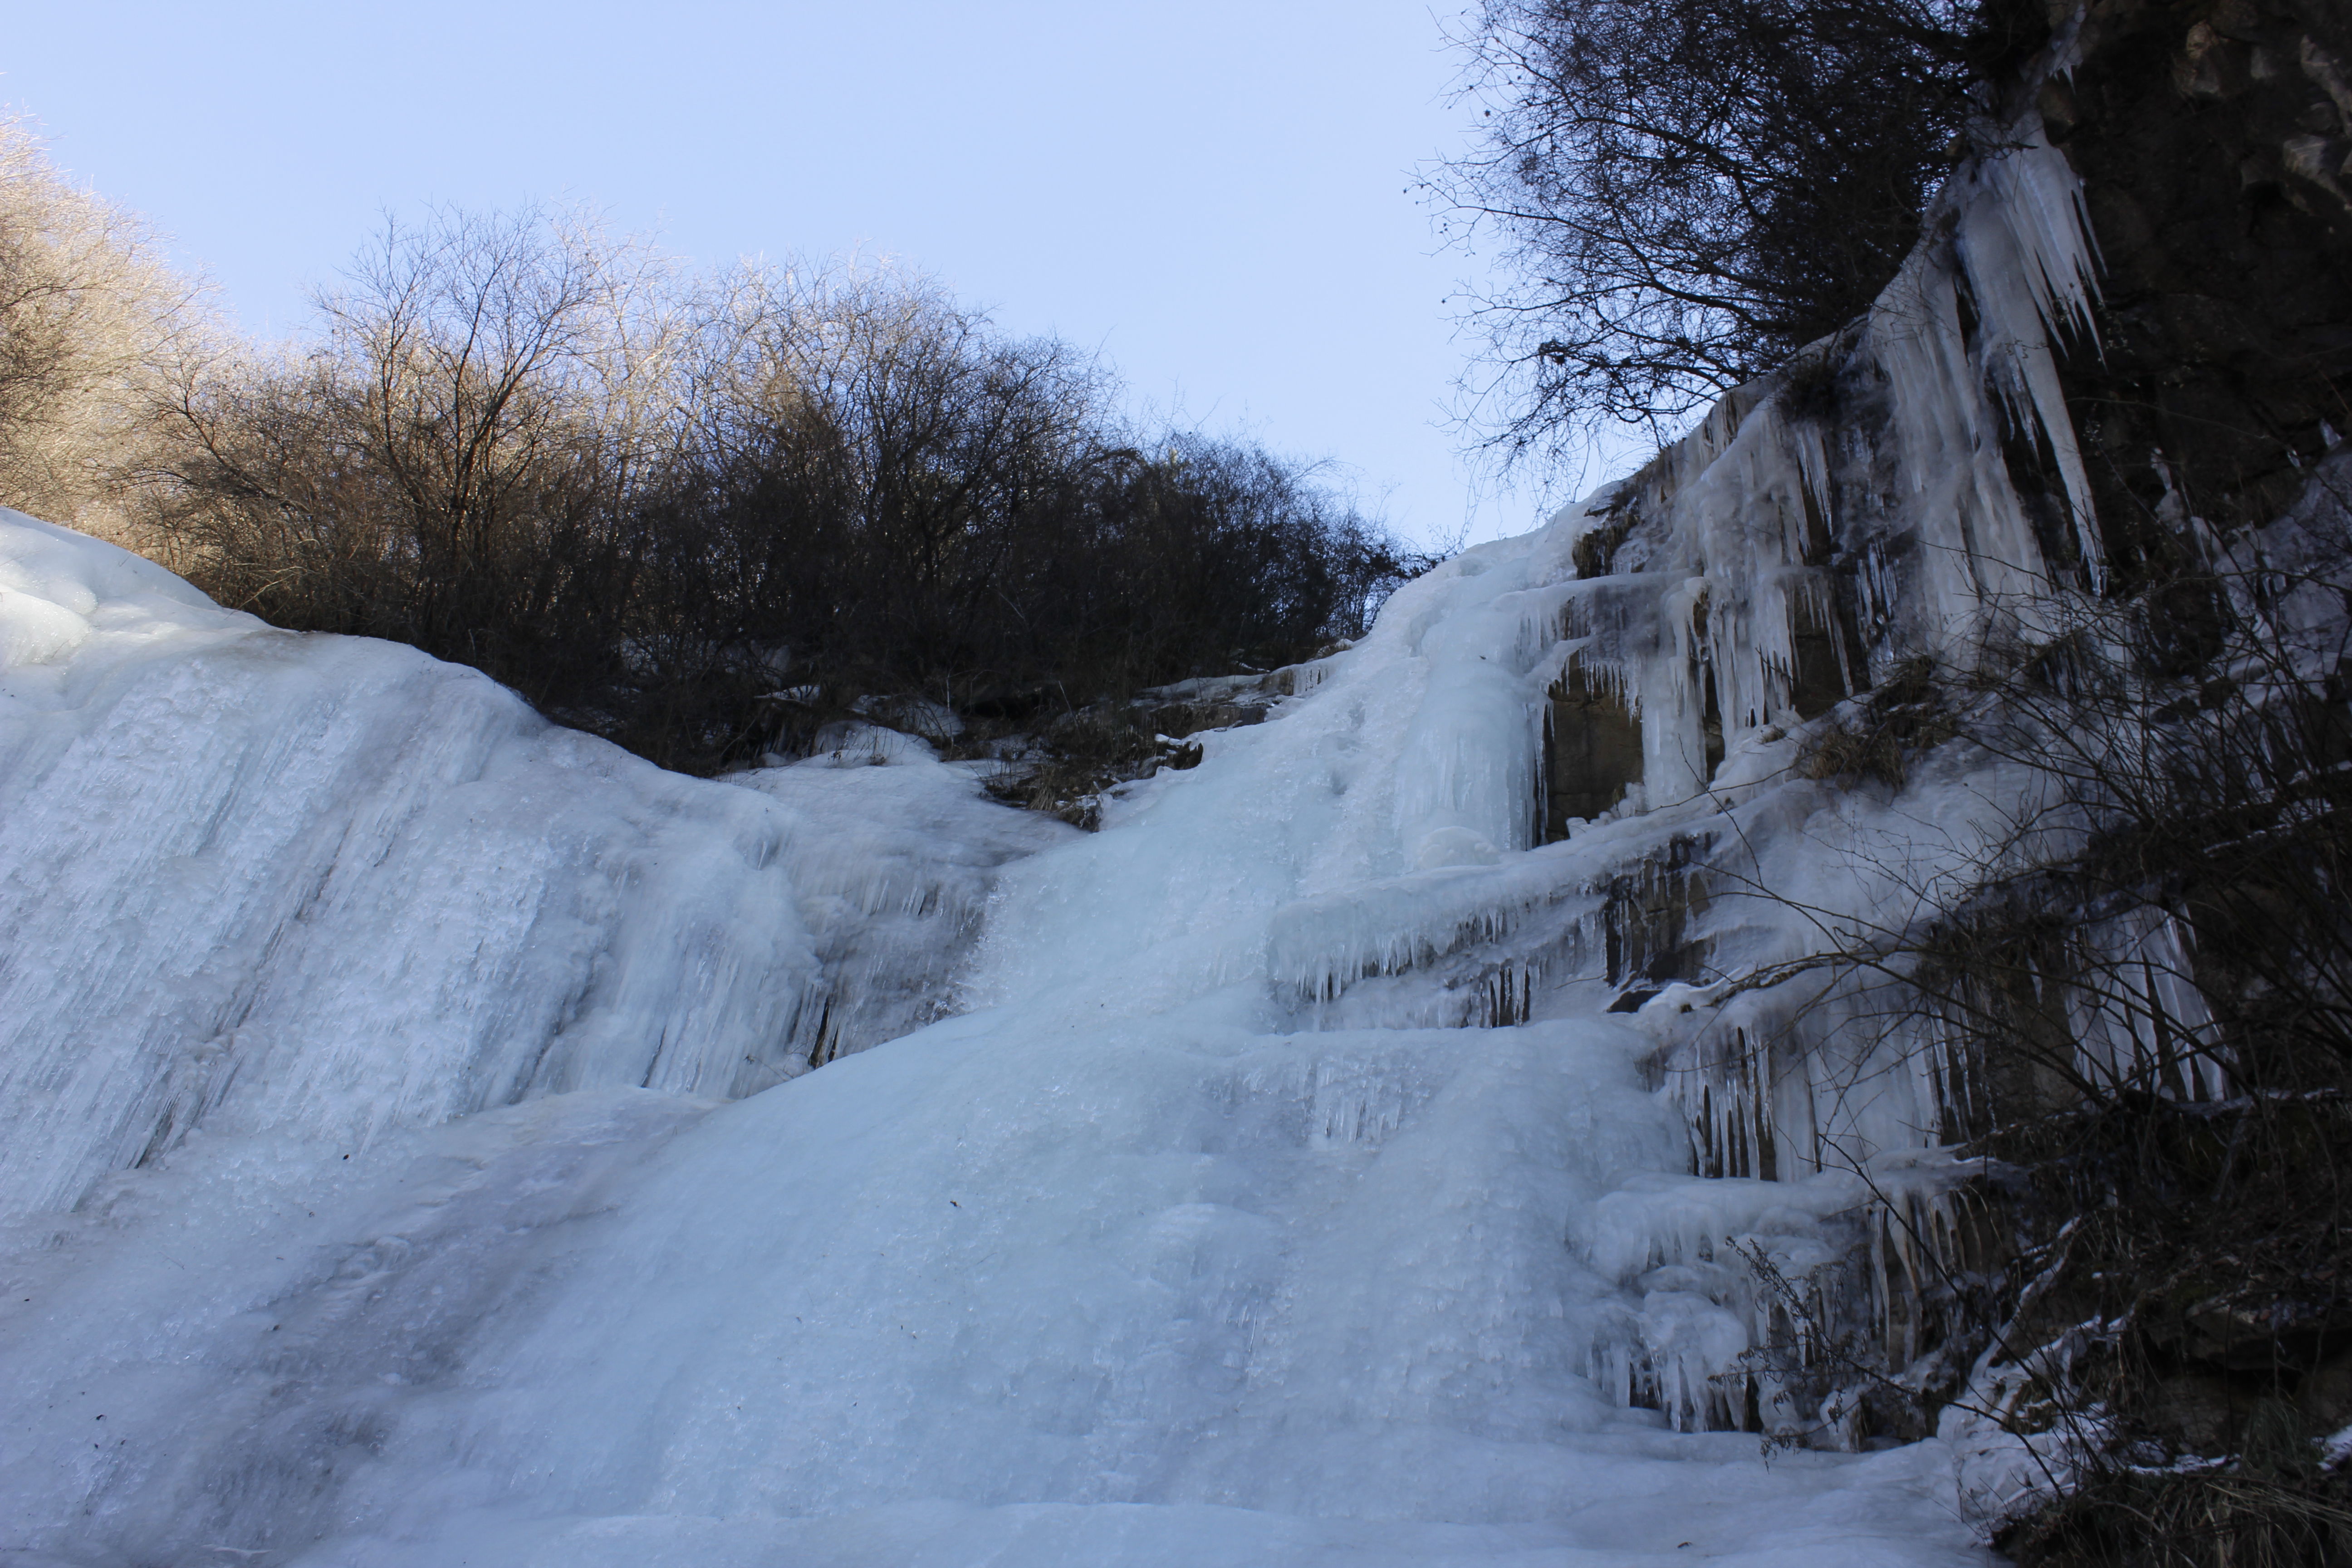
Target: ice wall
(1906,494)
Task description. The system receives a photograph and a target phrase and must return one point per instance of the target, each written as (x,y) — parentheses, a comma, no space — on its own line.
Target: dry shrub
(1873,739)
(651,503)
(2232,1518)
(2135,992)
(1081,757)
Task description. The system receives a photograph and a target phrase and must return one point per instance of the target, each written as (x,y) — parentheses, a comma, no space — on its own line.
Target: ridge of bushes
(652,500)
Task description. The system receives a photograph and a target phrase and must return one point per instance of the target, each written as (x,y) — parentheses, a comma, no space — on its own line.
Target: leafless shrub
(483,395)
(1905,713)
(2241,1517)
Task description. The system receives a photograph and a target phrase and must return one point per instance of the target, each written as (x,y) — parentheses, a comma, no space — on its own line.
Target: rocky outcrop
(2214,144)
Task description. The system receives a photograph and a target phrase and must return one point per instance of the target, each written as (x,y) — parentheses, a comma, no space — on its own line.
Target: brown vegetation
(699,515)
(650,504)
(2143,990)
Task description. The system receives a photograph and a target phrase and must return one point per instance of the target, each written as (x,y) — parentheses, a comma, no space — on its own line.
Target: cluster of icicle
(1732,538)
(1892,529)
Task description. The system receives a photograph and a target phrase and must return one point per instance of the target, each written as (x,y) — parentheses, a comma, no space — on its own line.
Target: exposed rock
(2210,138)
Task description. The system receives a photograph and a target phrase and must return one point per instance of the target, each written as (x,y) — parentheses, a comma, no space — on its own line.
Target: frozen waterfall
(1347,1155)
(377,1026)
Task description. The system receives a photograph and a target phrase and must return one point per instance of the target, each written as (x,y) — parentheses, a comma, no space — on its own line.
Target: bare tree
(484,392)
(93,321)
(641,498)
(1684,192)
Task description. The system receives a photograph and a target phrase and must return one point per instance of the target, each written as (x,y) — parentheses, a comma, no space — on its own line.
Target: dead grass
(2238,1517)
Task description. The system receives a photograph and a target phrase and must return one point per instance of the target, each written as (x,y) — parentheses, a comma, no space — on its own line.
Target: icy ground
(379,1198)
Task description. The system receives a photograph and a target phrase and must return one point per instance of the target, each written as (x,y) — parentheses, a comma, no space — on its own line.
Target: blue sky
(1212,194)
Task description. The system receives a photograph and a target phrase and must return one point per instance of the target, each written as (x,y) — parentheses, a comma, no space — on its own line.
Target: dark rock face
(2214,140)
(1593,751)
(1649,916)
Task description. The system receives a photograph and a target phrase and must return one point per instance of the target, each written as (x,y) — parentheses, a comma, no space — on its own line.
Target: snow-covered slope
(387,1099)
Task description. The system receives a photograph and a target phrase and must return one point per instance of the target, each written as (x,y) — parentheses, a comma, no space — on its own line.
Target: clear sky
(1213,194)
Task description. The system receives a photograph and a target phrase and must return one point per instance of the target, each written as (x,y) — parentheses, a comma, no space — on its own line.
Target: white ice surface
(1119,1268)
(252,880)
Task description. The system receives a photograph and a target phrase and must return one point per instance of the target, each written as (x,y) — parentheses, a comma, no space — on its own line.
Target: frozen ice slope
(1119,1267)
(404,1118)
